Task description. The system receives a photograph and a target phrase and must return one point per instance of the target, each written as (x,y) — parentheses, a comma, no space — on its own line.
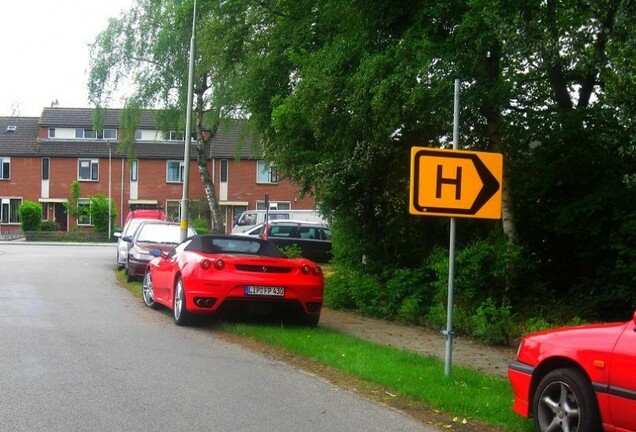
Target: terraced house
(40,158)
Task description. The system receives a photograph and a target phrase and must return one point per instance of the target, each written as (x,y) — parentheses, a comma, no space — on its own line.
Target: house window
(273,205)
(174,171)
(266,172)
(84,133)
(83,211)
(173,210)
(224,170)
(109,134)
(134,166)
(45,211)
(9,210)
(51,132)
(88,169)
(138,134)
(45,168)
(173,135)
(5,168)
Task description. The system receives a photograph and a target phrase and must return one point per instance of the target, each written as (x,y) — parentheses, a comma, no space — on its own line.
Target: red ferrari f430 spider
(224,275)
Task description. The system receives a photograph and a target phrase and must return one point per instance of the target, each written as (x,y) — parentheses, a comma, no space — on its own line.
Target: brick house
(40,157)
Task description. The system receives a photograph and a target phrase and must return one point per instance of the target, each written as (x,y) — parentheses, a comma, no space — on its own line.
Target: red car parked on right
(578,379)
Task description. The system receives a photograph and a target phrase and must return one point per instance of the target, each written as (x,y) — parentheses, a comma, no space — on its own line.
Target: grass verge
(466,394)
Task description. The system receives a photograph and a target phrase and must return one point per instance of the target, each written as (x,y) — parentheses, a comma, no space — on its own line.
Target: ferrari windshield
(212,244)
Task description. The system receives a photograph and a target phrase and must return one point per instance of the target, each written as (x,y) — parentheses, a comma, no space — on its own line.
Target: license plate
(263,290)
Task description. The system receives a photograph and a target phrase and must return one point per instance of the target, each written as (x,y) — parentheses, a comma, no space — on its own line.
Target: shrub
(437,318)
(411,310)
(407,294)
(49,226)
(494,325)
(99,213)
(30,214)
(352,289)
(292,251)
(201,226)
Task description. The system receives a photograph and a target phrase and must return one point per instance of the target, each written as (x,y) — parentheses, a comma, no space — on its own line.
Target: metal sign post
(448,333)
(455,183)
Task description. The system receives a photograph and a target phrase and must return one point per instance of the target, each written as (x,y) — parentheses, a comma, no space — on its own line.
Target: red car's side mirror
(634,319)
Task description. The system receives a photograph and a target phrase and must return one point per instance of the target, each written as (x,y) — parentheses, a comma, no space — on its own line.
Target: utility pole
(183,221)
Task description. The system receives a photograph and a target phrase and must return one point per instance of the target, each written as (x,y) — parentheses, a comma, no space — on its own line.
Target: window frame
(46,168)
(103,134)
(84,133)
(84,219)
(224,171)
(5,168)
(181,170)
(134,170)
(6,215)
(93,169)
(266,172)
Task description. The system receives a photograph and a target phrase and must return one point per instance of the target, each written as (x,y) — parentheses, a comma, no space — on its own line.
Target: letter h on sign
(457,181)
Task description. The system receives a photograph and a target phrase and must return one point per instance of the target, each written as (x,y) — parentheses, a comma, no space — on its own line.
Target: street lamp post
(183,220)
(110,161)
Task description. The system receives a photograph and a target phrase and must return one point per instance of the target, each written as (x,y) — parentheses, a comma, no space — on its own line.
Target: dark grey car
(313,239)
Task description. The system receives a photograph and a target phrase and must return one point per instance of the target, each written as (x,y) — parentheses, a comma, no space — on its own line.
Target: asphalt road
(79,353)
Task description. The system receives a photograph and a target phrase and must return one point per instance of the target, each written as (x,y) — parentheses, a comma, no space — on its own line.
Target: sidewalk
(466,352)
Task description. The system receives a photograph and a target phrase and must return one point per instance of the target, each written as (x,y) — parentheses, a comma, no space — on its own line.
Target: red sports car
(229,275)
(578,379)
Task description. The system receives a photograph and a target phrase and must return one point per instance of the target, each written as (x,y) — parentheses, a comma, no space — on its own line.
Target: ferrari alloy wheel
(147,292)
(181,316)
(565,402)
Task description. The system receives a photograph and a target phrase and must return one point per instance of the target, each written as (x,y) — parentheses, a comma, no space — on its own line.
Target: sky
(44,51)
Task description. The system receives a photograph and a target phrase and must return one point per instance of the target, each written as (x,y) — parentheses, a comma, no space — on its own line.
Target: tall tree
(148,48)
(342,89)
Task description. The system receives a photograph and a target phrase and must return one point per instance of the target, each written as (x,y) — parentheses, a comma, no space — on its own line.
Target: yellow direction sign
(455,183)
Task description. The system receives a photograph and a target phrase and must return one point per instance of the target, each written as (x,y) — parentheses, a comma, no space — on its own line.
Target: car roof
(297,222)
(146,214)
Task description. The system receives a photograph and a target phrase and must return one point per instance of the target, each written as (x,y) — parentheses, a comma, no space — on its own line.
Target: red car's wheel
(147,292)
(181,315)
(565,402)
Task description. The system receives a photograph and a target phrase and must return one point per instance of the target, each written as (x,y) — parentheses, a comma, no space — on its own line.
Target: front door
(61,217)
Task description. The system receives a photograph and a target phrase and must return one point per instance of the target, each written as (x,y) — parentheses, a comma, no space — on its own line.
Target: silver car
(123,246)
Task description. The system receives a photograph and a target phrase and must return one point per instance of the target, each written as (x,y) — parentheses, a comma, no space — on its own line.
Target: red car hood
(570,342)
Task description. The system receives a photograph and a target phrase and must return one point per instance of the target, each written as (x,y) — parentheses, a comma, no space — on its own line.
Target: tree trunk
(204,142)
(491,111)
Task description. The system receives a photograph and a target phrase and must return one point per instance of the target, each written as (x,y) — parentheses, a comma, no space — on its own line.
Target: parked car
(150,234)
(229,275)
(314,239)
(133,220)
(146,214)
(578,378)
(250,218)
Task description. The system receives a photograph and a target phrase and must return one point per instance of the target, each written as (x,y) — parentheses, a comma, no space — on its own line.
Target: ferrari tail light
(219,264)
(205,264)
(315,270)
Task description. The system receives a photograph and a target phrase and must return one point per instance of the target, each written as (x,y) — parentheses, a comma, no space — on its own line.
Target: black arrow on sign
(490,185)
